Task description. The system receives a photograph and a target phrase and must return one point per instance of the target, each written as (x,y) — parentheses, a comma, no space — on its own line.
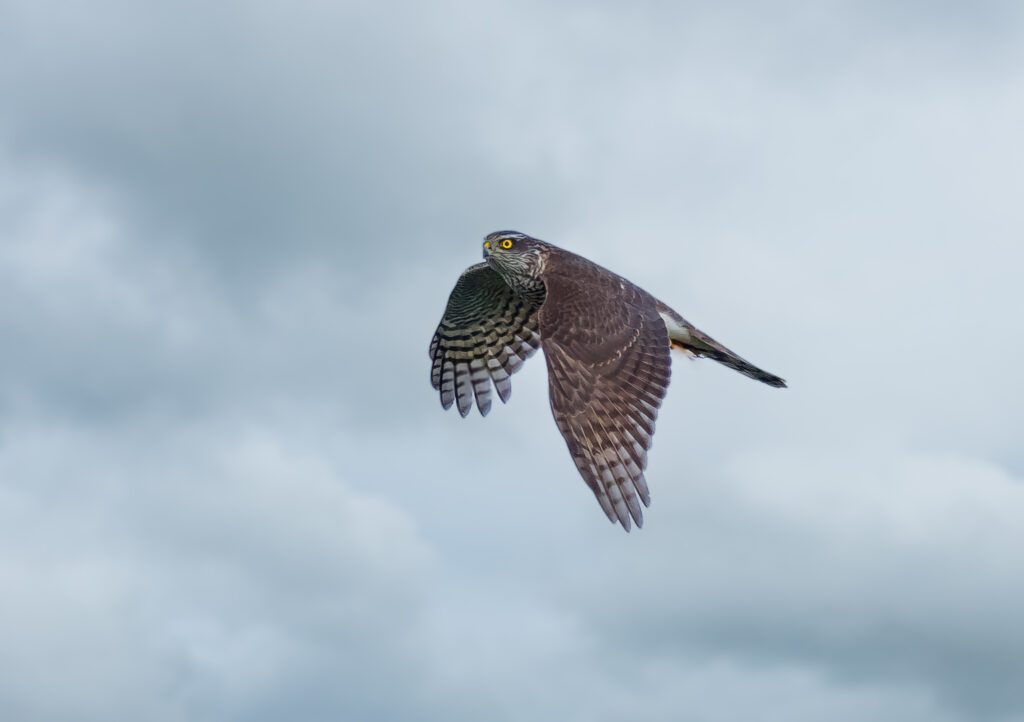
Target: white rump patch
(677,330)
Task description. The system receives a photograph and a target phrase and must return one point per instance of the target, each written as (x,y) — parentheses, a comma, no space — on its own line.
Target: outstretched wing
(486,333)
(607,353)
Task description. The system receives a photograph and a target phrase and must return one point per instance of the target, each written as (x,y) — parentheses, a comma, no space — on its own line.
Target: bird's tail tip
(772,380)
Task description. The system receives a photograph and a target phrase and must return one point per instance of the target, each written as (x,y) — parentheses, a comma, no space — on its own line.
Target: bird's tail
(686,336)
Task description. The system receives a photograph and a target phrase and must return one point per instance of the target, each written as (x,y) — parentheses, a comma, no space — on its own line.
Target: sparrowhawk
(607,345)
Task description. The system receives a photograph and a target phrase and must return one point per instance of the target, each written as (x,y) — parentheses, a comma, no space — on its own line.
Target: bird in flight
(607,345)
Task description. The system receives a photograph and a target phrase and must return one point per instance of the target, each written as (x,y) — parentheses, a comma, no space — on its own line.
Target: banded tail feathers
(684,335)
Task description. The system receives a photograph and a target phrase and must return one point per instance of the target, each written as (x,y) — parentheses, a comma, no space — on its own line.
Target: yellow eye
(507,243)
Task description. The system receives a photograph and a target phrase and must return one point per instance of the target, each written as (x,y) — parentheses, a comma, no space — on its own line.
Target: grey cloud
(265,136)
(184,583)
(879,569)
(374,126)
(226,235)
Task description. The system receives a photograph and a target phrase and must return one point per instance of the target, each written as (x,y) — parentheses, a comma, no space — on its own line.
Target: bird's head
(516,256)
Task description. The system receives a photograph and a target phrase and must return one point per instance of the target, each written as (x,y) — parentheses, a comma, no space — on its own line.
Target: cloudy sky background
(227,490)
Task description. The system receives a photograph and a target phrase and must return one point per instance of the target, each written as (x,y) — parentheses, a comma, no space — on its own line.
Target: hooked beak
(487,249)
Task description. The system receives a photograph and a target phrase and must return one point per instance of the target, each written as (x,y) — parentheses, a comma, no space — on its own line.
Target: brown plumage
(606,342)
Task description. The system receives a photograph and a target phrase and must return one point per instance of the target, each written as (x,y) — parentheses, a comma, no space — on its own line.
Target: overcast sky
(228,492)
